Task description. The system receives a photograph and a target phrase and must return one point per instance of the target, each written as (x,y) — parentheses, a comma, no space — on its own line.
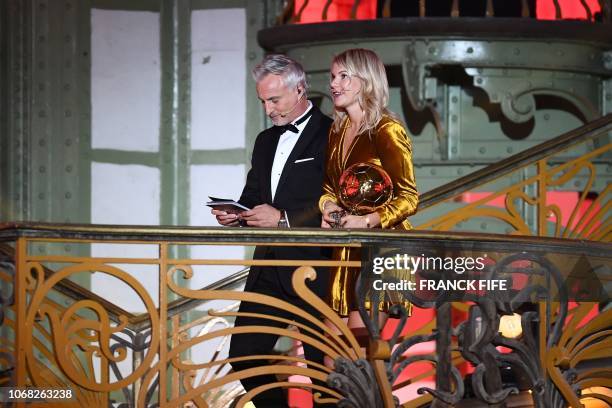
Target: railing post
(443,352)
(163,322)
(139,341)
(22,340)
(541,199)
(175,326)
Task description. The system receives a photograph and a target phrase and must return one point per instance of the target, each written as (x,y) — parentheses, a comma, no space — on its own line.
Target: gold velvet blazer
(387,146)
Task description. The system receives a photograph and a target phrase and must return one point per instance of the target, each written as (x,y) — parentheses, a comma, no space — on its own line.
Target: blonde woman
(364,131)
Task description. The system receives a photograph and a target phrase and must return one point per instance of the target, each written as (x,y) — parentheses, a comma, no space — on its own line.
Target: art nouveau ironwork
(59,341)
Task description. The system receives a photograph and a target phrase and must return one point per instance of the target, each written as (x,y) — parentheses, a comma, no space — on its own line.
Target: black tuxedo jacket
(298,193)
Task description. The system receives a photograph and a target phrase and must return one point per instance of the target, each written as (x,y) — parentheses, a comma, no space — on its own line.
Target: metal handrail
(48,232)
(137,322)
(589,131)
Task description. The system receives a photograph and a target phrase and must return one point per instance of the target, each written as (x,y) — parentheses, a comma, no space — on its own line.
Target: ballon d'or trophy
(363,188)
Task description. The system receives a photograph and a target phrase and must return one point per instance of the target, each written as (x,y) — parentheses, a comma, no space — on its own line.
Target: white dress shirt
(286,143)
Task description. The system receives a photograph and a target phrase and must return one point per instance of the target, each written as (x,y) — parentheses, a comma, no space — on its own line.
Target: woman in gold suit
(364,131)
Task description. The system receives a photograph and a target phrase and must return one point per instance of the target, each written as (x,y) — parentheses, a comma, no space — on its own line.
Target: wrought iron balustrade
(171,352)
(515,192)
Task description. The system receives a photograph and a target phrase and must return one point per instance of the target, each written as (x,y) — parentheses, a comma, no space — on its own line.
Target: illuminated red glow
(570,9)
(338,10)
(341,10)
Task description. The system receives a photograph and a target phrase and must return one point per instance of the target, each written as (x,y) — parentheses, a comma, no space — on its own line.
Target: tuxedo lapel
(267,168)
(308,134)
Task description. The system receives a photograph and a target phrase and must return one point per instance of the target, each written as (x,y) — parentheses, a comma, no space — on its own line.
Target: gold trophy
(363,188)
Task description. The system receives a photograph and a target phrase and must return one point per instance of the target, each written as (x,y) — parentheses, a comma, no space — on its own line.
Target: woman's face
(344,88)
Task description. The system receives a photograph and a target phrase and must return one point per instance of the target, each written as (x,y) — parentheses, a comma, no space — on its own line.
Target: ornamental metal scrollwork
(333,345)
(478,338)
(69,330)
(582,223)
(515,93)
(356,381)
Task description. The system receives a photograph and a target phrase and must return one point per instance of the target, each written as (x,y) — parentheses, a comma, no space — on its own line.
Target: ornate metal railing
(513,196)
(167,354)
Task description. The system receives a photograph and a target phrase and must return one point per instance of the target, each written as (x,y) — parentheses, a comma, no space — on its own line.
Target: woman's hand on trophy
(353,221)
(360,221)
(330,211)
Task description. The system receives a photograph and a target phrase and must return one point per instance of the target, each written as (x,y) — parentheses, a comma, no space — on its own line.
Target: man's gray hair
(290,70)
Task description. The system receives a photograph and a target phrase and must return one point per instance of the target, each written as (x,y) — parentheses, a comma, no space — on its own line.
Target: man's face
(277,99)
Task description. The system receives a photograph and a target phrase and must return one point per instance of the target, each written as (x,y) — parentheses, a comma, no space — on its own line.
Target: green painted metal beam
(175,35)
(16,68)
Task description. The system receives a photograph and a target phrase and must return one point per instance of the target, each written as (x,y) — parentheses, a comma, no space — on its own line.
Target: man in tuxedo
(282,189)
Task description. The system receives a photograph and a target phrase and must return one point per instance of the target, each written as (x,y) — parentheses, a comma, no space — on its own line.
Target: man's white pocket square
(304,160)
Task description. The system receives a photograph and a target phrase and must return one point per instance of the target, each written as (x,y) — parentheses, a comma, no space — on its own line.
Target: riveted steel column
(59,177)
(80,92)
(258,17)
(59,114)
(73,199)
(46,121)
(174,145)
(14,130)
(15,113)
(175,107)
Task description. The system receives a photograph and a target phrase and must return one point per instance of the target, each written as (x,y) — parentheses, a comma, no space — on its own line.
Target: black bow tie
(292,127)
(287,128)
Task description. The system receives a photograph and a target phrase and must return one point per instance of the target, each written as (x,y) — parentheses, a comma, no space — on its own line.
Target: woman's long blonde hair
(374,96)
